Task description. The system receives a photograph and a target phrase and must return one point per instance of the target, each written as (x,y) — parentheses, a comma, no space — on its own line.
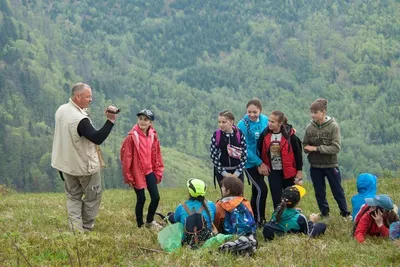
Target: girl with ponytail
(288,219)
(280,149)
(197,192)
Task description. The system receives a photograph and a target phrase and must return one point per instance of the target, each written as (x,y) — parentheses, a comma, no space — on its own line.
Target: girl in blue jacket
(252,125)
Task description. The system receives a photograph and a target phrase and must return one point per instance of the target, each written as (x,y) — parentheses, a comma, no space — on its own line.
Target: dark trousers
(141,199)
(318,179)
(219,178)
(270,231)
(259,192)
(276,185)
(318,229)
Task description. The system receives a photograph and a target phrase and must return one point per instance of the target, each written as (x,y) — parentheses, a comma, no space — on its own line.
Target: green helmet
(196,187)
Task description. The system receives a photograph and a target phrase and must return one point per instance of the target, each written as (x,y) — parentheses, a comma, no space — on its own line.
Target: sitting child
(196,214)
(374,218)
(234,214)
(366,188)
(287,219)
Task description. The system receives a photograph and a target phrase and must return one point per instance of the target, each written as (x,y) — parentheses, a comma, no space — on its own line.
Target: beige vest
(71,153)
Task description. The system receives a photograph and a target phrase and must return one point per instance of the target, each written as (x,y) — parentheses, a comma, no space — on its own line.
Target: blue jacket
(252,131)
(181,214)
(366,188)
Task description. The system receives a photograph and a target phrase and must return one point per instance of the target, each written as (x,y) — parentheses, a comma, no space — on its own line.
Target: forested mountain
(189,59)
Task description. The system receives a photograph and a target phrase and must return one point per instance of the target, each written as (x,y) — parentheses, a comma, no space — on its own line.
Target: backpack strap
(237,133)
(246,123)
(188,210)
(217,136)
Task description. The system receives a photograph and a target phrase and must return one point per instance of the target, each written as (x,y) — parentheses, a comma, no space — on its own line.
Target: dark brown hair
(281,116)
(320,104)
(256,102)
(234,185)
(203,202)
(227,114)
(391,218)
(281,119)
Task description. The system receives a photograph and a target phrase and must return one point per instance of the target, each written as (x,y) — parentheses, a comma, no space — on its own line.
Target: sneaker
(348,218)
(155,225)
(345,214)
(87,229)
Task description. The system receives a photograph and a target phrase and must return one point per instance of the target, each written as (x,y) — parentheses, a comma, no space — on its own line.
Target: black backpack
(195,229)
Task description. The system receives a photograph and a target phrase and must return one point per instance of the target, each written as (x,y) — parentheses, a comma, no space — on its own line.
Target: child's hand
(263,169)
(314,217)
(377,216)
(310,148)
(228,175)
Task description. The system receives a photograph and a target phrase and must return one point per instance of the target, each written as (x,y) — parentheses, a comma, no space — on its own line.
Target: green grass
(35,226)
(179,167)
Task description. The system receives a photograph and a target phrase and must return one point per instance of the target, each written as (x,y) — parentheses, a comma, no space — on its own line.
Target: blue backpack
(239,221)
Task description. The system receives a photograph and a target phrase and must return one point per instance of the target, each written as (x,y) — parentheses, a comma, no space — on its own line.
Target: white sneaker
(155,225)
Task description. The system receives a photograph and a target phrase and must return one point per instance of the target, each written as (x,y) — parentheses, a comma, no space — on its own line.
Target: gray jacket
(326,137)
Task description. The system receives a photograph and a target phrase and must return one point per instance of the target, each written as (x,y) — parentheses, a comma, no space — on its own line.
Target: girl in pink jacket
(142,166)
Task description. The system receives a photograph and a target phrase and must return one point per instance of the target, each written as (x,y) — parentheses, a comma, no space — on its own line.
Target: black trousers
(141,199)
(276,185)
(259,192)
(318,179)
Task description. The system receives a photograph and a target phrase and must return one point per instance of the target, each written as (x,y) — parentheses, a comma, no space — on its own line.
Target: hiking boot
(155,225)
(87,229)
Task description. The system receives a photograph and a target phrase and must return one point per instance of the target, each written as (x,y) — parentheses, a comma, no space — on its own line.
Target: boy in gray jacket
(322,144)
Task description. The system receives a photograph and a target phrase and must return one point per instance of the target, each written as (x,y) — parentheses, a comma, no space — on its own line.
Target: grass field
(34,232)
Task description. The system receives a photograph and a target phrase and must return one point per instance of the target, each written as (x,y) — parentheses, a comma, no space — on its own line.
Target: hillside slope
(187,61)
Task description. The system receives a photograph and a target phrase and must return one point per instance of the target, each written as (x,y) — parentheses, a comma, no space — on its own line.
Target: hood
(366,184)
(328,120)
(230,203)
(289,129)
(137,129)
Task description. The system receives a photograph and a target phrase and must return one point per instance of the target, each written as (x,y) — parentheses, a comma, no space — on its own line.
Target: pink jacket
(131,165)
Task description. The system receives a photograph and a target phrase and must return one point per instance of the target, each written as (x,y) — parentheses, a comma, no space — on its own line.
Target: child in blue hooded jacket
(366,188)
(252,125)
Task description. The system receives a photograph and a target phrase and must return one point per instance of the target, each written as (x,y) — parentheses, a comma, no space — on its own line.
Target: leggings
(141,199)
(259,192)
